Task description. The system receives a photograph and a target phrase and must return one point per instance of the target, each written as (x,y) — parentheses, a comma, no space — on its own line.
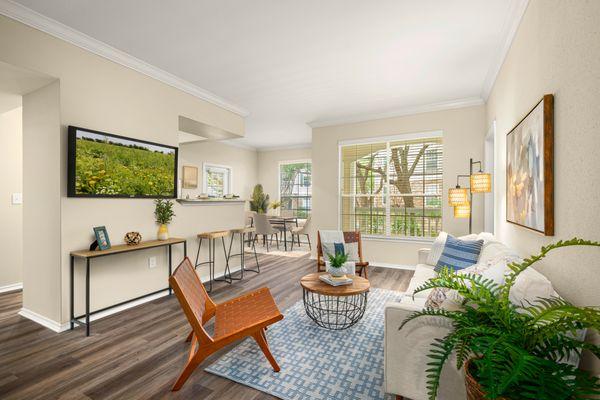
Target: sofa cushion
(451,300)
(437,248)
(493,251)
(423,273)
(459,254)
(529,286)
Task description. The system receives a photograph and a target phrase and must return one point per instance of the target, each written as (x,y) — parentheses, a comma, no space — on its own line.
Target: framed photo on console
(530,169)
(102,237)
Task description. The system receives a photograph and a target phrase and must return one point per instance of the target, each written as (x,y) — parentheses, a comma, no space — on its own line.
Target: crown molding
(509,31)
(425,108)
(52,27)
(281,148)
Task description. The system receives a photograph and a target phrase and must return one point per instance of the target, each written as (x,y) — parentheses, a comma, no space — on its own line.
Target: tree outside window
(392,188)
(295,187)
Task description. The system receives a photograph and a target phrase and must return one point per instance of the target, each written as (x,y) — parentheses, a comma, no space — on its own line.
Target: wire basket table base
(334,312)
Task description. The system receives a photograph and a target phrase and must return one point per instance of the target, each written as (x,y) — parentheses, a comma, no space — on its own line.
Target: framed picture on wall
(530,169)
(190,177)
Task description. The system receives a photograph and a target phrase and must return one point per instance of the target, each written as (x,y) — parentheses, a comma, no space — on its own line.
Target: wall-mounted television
(106,165)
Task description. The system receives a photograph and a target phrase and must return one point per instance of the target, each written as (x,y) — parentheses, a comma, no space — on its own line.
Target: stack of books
(335,280)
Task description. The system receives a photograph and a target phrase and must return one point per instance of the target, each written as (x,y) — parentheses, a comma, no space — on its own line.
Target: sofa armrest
(423,255)
(405,355)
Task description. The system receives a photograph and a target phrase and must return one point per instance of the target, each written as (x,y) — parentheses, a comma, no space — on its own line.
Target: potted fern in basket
(512,351)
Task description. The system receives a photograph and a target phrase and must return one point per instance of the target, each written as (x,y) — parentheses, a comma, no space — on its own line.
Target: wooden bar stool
(242,232)
(212,239)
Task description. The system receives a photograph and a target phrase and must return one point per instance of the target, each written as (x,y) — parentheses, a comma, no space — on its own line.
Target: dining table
(284,222)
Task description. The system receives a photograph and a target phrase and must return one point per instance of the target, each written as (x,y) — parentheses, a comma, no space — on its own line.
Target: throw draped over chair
(349,237)
(246,315)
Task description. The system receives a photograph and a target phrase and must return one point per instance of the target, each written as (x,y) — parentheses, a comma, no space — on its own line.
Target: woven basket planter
(474,390)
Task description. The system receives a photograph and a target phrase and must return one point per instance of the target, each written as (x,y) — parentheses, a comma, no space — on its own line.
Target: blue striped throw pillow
(459,254)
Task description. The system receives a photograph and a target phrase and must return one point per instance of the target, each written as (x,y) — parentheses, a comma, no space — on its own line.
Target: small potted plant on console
(164,215)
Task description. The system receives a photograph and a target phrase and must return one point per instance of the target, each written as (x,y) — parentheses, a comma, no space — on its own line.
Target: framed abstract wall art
(529,169)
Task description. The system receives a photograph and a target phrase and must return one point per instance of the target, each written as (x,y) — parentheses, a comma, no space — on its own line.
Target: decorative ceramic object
(132,238)
(163,232)
(348,268)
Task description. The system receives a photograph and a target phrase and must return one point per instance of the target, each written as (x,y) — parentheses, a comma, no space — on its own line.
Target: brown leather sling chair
(246,315)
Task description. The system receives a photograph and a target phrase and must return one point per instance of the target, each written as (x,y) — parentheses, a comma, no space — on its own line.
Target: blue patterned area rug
(315,363)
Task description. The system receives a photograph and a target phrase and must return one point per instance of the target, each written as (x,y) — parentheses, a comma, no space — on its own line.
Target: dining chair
(247,315)
(302,230)
(264,228)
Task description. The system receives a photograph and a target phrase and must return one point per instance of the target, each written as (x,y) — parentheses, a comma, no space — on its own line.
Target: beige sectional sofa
(406,350)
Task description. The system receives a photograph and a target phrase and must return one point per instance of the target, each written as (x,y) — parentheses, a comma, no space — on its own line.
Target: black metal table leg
(87,297)
(284,235)
(72,292)
(185,249)
(170,269)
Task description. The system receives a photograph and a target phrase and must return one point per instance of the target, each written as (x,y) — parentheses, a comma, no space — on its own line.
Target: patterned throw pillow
(459,254)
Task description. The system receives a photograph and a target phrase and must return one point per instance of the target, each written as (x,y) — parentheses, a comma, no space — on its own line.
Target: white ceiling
(292,62)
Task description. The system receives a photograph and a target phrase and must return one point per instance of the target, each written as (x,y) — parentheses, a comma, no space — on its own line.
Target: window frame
(206,165)
(378,140)
(297,161)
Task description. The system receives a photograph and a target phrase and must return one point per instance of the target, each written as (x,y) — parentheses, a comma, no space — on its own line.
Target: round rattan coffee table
(334,307)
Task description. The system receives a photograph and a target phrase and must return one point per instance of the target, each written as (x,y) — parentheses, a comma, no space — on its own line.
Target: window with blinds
(295,187)
(392,187)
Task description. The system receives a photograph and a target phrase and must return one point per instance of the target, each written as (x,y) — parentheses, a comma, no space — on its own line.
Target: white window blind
(392,187)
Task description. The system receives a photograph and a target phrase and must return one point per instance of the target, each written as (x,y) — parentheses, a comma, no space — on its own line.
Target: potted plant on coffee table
(511,351)
(336,264)
(163,212)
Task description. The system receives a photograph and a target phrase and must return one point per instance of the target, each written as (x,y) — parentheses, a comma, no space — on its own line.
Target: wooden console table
(88,255)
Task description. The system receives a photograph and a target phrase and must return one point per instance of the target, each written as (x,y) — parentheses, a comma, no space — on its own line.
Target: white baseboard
(391,266)
(11,287)
(40,319)
(57,327)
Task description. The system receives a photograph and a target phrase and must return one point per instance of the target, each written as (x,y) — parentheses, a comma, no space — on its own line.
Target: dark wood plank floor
(138,353)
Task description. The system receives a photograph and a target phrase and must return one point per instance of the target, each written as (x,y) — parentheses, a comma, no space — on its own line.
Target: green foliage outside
(409,223)
(295,193)
(517,351)
(108,169)
(163,211)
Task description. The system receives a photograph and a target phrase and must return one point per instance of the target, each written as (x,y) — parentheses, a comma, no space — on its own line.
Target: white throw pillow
(437,248)
(529,286)
(451,300)
(493,251)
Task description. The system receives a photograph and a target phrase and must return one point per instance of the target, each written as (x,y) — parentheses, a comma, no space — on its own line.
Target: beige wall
(463,131)
(556,50)
(102,95)
(42,183)
(244,164)
(268,167)
(11,215)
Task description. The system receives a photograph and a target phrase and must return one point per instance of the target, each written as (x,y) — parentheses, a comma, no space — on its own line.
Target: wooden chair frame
(349,237)
(199,309)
